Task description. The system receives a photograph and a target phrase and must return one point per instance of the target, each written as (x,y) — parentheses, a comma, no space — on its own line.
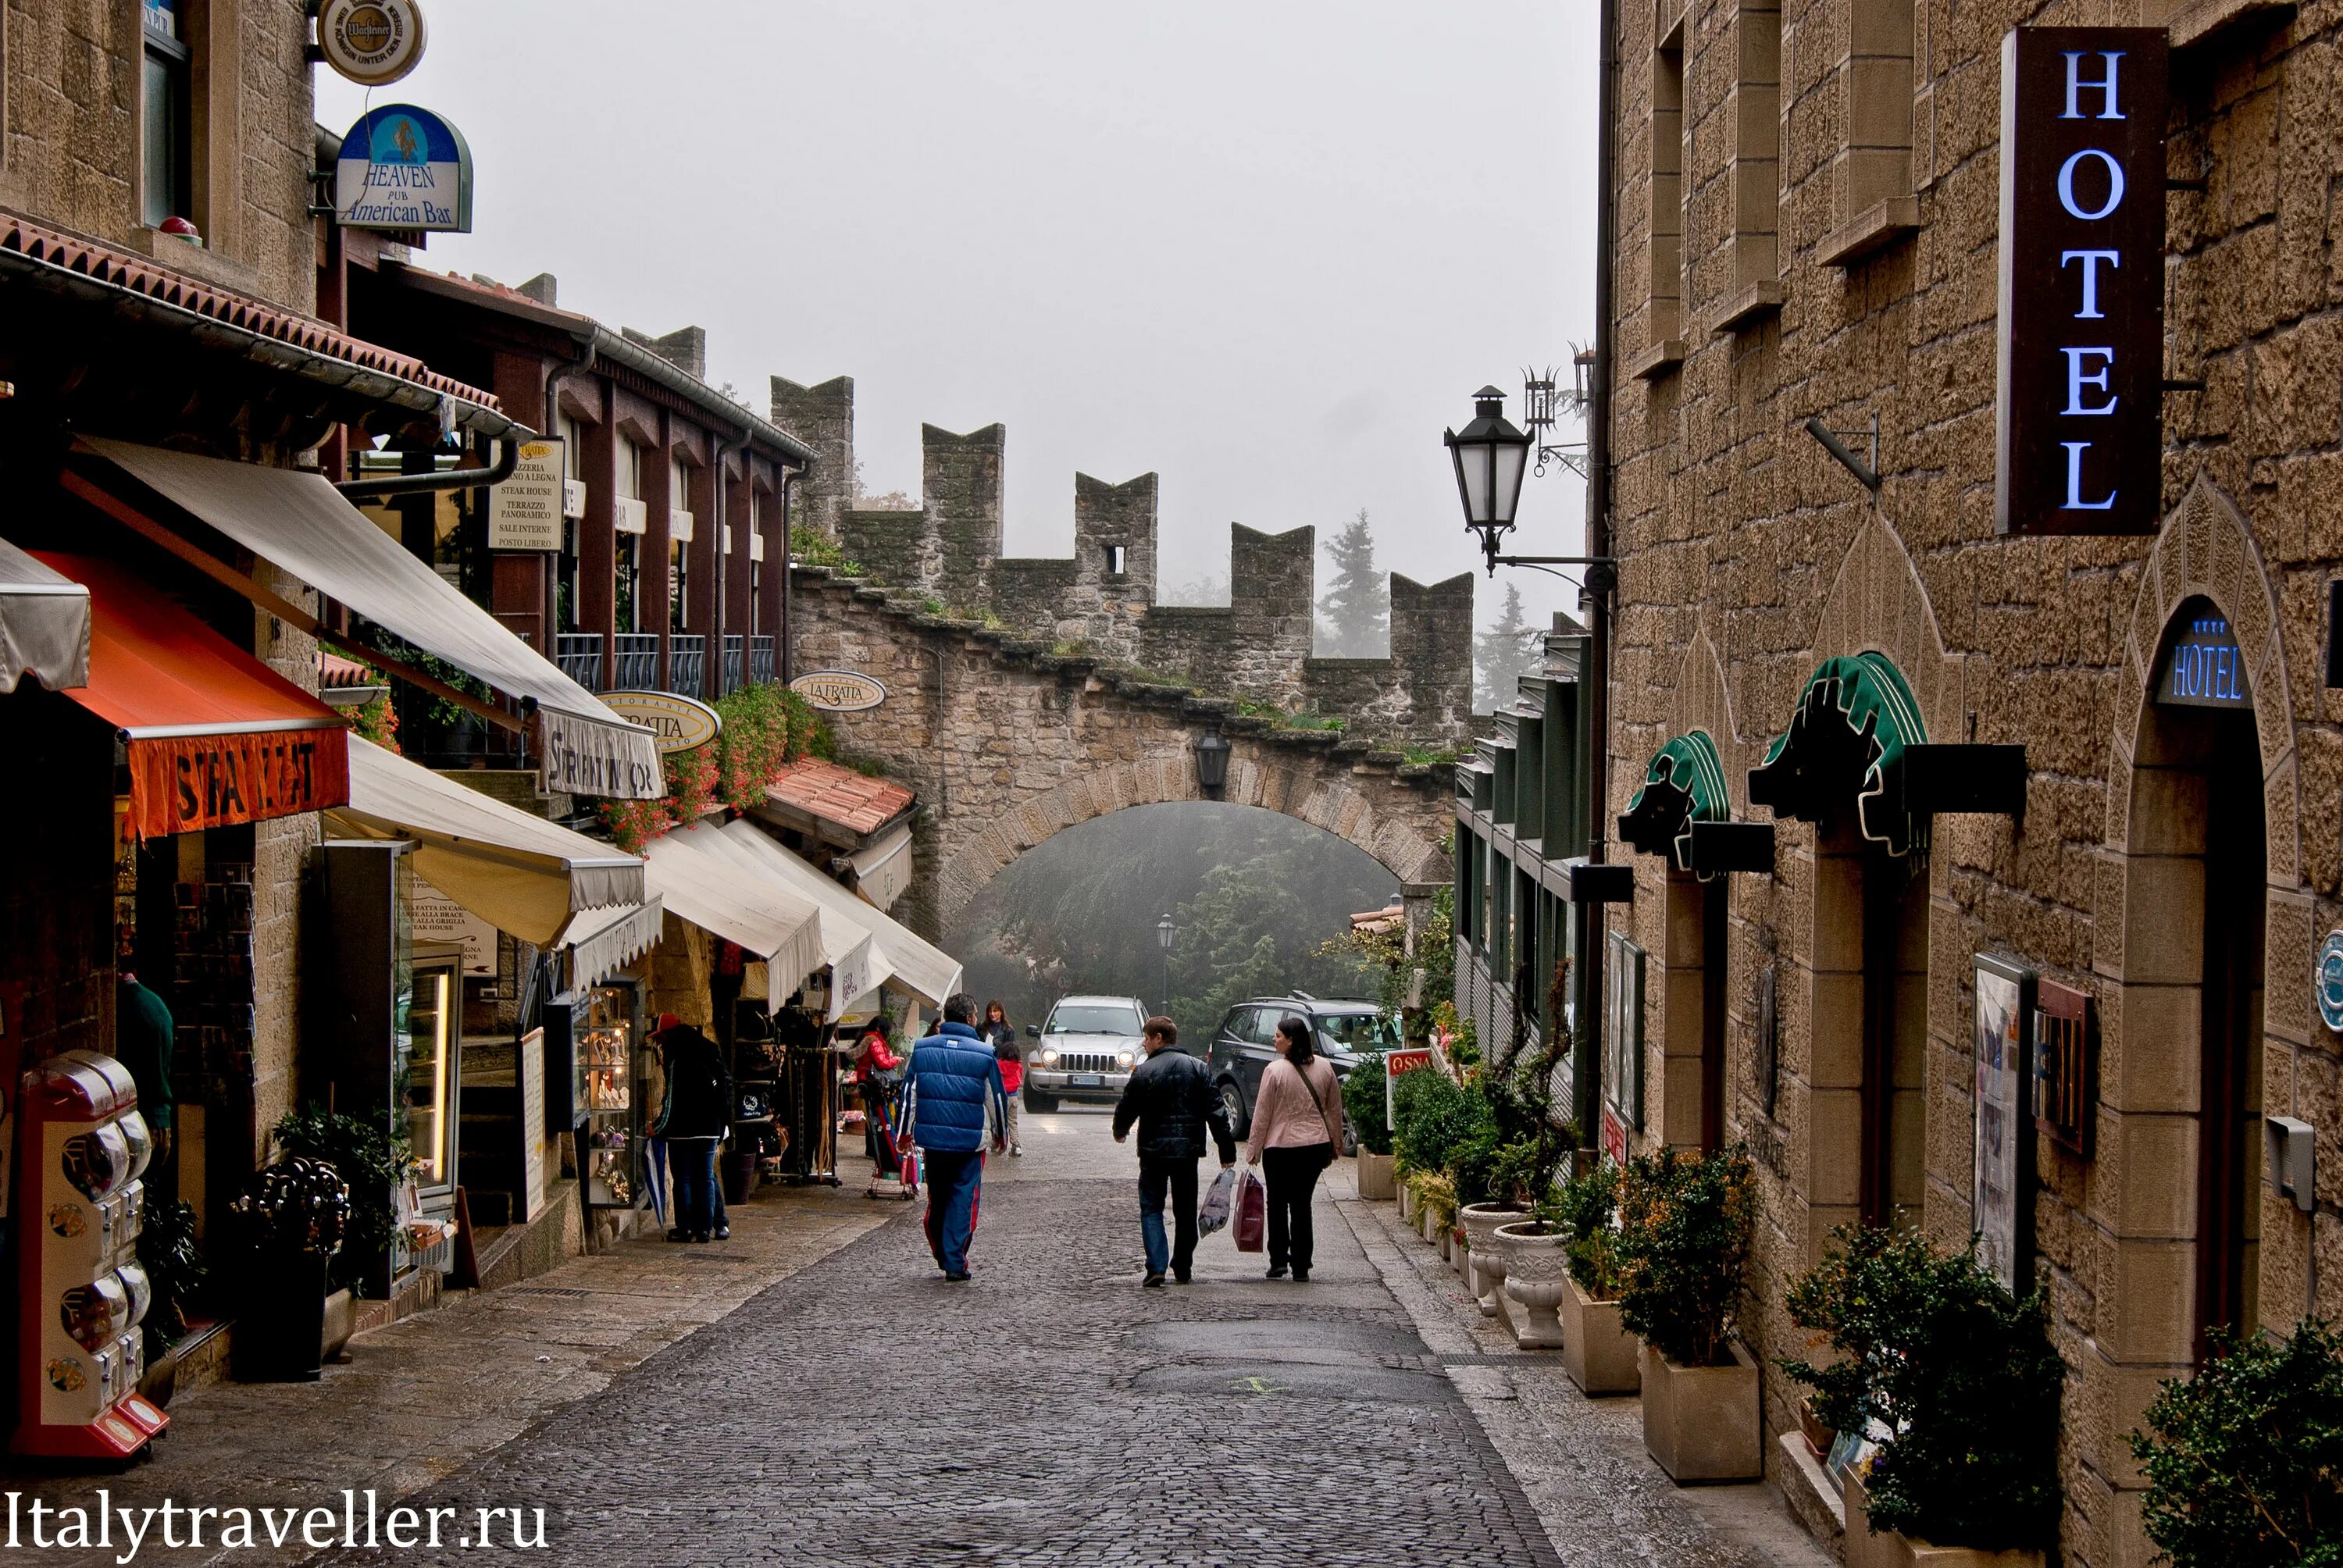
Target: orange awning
(214,736)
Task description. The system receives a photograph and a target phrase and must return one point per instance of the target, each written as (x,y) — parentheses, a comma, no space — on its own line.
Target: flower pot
(738,1174)
(1700,1423)
(1818,1437)
(280,1329)
(1486,1267)
(1597,1352)
(1536,1271)
(1407,1203)
(1375,1180)
(1870,1548)
(1427,1223)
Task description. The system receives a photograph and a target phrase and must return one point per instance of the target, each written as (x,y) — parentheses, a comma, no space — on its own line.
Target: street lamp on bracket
(1491,456)
(1212,763)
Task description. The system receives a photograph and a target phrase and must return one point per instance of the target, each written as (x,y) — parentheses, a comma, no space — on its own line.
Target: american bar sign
(2079,396)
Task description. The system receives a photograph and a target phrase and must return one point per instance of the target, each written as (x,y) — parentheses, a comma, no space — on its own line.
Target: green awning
(1684,784)
(1846,743)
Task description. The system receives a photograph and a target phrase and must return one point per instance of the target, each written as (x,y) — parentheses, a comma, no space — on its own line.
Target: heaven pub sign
(2079,404)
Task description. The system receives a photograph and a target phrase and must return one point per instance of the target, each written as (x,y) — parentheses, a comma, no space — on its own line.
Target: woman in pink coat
(1297,1126)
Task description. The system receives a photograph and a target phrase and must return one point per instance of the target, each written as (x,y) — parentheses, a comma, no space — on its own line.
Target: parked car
(1242,1047)
(1089,1044)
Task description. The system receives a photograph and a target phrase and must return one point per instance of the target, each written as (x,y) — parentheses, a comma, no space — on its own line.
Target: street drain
(1255,1380)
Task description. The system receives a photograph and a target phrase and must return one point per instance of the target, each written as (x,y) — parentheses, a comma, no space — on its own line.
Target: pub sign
(2078,406)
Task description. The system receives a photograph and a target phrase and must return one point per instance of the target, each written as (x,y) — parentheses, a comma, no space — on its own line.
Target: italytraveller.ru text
(36,1525)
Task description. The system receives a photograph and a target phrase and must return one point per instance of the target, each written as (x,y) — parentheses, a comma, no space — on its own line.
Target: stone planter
(341,1322)
(1427,1224)
(1376,1182)
(1485,1270)
(1597,1352)
(1870,1548)
(1536,1274)
(1700,1423)
(1407,1206)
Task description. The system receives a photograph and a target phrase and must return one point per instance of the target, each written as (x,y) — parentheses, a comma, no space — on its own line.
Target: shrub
(1435,1115)
(1587,1209)
(1363,1099)
(1437,1193)
(1684,1221)
(374,1163)
(1963,1374)
(2245,1467)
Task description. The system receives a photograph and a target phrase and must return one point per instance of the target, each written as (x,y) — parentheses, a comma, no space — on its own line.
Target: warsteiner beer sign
(2080,418)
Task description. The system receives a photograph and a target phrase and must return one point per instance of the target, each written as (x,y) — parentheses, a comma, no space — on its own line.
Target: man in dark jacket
(954,1105)
(694,1118)
(1172,1100)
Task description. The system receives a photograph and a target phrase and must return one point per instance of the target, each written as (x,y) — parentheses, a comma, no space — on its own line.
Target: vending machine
(82,1147)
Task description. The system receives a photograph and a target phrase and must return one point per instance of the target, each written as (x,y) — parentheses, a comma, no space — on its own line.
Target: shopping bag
(1252,1213)
(1213,1212)
(907,1153)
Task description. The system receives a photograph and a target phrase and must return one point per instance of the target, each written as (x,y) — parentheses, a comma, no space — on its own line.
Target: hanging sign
(839,691)
(440,919)
(373,43)
(680,723)
(2000,1202)
(588,757)
(2079,403)
(525,511)
(2203,667)
(2330,982)
(404,168)
(180,784)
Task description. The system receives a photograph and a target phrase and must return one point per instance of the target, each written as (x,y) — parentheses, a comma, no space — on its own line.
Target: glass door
(430,1090)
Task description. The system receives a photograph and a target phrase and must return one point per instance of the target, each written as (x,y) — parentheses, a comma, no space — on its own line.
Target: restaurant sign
(839,691)
(2079,406)
(680,723)
(404,168)
(525,511)
(182,783)
(585,757)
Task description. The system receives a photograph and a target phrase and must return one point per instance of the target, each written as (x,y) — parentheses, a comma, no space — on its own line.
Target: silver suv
(1088,1046)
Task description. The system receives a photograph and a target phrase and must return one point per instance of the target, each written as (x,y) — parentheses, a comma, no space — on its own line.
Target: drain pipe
(497,473)
(788,632)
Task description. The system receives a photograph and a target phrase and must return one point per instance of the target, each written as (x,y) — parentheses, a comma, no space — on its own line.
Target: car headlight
(1049,1056)
(1125,1058)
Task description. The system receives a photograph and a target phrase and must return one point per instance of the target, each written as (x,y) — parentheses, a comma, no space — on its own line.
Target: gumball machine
(82,1147)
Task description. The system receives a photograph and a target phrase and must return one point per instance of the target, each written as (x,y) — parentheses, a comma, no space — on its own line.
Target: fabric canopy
(44,624)
(214,736)
(768,920)
(1845,744)
(299,522)
(601,942)
(913,963)
(857,966)
(1684,784)
(519,872)
(883,870)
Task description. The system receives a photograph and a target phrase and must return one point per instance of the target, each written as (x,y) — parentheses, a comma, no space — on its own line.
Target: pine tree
(1502,654)
(1357,606)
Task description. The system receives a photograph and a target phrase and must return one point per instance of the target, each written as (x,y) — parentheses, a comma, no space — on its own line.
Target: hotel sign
(2205,668)
(2079,397)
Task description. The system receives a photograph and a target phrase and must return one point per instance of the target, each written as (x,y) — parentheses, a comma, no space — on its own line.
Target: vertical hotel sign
(2079,404)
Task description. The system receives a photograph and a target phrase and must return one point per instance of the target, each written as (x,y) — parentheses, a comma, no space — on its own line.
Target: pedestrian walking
(1009,1051)
(1172,1098)
(875,1075)
(695,1113)
(952,1099)
(1297,1126)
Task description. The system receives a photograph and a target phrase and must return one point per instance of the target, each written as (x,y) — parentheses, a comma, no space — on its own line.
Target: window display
(610,1094)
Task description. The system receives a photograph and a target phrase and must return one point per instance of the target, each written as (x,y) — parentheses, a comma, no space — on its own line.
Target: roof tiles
(840,795)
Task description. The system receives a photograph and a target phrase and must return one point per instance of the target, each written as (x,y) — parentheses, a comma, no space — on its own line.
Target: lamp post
(1490,457)
(1212,766)
(1164,931)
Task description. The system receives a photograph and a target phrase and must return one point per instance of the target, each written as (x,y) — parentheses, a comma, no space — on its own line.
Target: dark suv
(1241,1047)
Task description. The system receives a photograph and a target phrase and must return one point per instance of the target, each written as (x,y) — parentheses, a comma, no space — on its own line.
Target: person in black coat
(694,1118)
(1171,1099)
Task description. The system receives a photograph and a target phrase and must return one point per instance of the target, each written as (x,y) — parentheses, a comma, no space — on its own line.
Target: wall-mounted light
(1212,763)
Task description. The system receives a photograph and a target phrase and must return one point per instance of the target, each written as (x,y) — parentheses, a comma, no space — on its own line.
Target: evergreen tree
(1356,609)
(1502,654)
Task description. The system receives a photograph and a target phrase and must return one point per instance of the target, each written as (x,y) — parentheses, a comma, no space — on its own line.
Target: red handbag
(1252,1225)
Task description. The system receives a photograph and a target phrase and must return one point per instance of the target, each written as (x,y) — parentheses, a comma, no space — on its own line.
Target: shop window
(630,552)
(165,119)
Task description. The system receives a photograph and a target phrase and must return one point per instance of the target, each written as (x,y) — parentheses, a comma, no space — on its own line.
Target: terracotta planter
(1485,1270)
(1536,1276)
(1376,1182)
(1700,1423)
(1597,1352)
(1870,1548)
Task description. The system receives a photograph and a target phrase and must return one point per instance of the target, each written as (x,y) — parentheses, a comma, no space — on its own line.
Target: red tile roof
(334,672)
(840,795)
(144,275)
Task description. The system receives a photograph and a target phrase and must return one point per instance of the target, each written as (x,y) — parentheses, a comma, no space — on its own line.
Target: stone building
(1809,222)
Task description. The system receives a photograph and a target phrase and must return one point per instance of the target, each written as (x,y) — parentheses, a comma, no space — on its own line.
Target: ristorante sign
(2080,417)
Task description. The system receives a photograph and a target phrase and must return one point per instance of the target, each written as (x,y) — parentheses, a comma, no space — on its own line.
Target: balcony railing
(579,655)
(760,659)
(736,661)
(687,663)
(635,655)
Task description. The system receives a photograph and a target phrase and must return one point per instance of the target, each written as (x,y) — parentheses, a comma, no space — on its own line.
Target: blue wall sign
(2203,667)
(404,168)
(2330,982)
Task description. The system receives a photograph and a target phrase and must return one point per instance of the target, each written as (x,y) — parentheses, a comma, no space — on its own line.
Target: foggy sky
(1267,250)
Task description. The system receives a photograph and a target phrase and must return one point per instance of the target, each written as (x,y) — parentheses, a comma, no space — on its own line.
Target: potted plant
(1597,1352)
(374,1162)
(1362,1102)
(1685,1223)
(1962,1380)
(2245,1460)
(292,1216)
(1438,1194)
(1535,1143)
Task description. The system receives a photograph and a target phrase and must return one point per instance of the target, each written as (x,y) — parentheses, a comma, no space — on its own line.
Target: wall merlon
(822,417)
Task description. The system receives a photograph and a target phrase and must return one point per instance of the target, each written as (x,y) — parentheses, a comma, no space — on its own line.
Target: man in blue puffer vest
(953,1104)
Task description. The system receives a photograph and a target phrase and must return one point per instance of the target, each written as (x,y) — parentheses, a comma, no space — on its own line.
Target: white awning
(913,963)
(44,624)
(299,522)
(856,965)
(520,873)
(882,871)
(767,918)
(601,941)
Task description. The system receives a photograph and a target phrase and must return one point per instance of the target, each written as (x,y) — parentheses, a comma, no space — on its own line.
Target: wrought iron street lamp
(1490,457)
(1164,931)
(1212,763)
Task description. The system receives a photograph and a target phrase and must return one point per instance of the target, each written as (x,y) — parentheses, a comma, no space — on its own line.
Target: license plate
(1085,1081)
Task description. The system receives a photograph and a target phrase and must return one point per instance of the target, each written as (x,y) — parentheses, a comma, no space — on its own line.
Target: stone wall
(822,417)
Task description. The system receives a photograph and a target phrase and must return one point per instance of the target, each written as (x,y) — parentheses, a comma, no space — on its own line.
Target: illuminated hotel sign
(2203,667)
(2079,395)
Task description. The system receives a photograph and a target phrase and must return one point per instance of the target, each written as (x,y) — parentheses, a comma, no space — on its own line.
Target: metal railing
(635,655)
(687,663)
(760,659)
(736,661)
(579,655)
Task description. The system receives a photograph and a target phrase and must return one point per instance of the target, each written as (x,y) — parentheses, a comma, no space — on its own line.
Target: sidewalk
(422,1398)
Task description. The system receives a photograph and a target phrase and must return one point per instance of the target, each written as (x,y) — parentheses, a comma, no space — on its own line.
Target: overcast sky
(1267,250)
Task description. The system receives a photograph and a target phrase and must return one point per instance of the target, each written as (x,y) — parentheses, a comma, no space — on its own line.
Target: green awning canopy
(1847,744)
(1684,784)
